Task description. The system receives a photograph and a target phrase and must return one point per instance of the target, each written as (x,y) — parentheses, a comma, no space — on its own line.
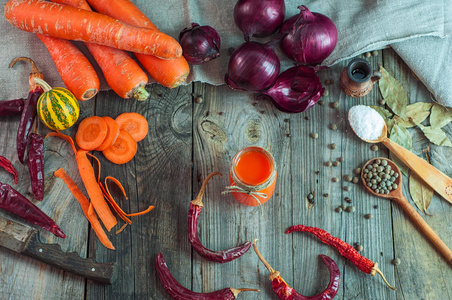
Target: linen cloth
(416,28)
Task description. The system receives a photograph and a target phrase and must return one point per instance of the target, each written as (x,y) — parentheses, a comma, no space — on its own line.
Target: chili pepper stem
(273,273)
(45,86)
(198,200)
(235,292)
(375,270)
(34,68)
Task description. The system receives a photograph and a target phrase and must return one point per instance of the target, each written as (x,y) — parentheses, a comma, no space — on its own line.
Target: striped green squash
(57,107)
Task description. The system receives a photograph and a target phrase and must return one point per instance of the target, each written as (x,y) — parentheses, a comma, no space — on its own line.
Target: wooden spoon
(439,181)
(397,196)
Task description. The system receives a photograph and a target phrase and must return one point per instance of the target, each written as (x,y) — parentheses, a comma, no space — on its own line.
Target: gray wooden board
(187,141)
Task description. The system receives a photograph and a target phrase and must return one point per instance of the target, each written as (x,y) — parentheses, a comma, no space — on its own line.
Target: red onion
(252,67)
(259,18)
(199,43)
(308,38)
(296,89)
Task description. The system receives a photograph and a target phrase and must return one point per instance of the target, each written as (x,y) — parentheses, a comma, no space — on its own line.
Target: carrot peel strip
(115,206)
(63,136)
(117,183)
(86,207)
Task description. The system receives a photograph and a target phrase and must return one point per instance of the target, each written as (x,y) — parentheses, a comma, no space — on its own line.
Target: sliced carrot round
(91,133)
(123,150)
(133,123)
(112,134)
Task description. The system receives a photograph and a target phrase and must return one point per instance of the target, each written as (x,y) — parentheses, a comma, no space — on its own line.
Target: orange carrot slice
(133,123)
(91,133)
(84,203)
(123,150)
(112,134)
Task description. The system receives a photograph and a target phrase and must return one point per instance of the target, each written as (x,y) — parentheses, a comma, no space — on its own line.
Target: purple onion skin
(296,90)
(308,38)
(259,18)
(252,67)
(199,43)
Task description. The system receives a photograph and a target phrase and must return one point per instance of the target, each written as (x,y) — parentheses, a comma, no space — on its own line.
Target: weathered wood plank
(23,277)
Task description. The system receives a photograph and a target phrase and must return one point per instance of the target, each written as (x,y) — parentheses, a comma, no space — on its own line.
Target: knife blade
(24,239)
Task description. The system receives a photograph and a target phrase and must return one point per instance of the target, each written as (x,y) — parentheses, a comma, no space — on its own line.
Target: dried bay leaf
(415,113)
(401,136)
(441,116)
(384,113)
(421,193)
(393,93)
(435,135)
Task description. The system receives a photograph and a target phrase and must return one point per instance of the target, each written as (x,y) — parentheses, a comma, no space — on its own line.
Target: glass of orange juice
(252,176)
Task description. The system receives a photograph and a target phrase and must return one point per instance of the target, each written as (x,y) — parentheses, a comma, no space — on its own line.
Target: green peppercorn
(367,54)
(341,159)
(374,148)
(326,93)
(310,196)
(357,171)
(350,209)
(334,179)
(321,102)
(394,186)
(375,53)
(198,99)
(343,206)
(359,248)
(334,104)
(328,164)
(382,102)
(347,178)
(365,171)
(384,162)
(395,261)
(338,209)
(314,135)
(336,163)
(355,180)
(333,146)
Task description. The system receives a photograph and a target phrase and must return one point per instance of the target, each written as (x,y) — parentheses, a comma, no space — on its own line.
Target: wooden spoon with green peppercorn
(381,177)
(439,181)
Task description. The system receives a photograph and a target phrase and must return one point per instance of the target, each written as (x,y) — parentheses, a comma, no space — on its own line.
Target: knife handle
(53,255)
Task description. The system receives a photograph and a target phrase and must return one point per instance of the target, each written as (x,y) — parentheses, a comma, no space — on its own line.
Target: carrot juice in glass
(252,176)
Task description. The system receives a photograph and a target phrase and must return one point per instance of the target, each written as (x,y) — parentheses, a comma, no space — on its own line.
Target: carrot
(91,132)
(84,203)
(122,73)
(123,150)
(86,172)
(133,123)
(169,73)
(70,23)
(112,134)
(95,193)
(76,71)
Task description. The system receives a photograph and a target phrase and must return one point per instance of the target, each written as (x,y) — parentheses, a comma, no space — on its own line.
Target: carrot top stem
(375,270)
(45,86)
(198,200)
(140,94)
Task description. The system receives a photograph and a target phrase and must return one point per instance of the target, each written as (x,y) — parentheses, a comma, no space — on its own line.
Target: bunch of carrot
(118,138)
(117,26)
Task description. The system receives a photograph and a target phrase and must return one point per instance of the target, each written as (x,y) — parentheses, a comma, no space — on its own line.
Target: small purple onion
(308,38)
(252,67)
(259,18)
(199,43)
(295,90)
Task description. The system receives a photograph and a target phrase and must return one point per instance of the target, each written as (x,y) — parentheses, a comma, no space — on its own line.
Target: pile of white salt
(366,122)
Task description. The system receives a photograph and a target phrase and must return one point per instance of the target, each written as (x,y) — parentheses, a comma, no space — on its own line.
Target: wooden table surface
(186,142)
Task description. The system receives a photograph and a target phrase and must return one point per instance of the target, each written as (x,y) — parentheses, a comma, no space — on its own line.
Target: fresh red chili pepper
(177,291)
(345,249)
(193,216)
(36,164)
(285,292)
(8,166)
(11,107)
(14,202)
(29,111)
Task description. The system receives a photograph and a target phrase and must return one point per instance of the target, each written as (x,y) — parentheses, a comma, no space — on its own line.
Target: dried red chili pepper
(29,110)
(345,249)
(193,216)
(14,202)
(36,164)
(11,107)
(177,291)
(285,292)
(8,166)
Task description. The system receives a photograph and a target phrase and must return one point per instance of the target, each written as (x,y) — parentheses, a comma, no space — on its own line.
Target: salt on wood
(366,122)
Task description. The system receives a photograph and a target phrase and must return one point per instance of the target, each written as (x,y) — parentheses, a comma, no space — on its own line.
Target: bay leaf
(384,113)
(393,93)
(441,116)
(421,193)
(401,136)
(415,113)
(389,124)
(435,135)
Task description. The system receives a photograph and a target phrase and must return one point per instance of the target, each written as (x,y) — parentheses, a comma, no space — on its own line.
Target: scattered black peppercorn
(348,178)
(347,199)
(334,179)
(328,164)
(336,163)
(338,209)
(357,171)
(346,188)
(314,135)
(368,216)
(359,248)
(350,209)
(382,102)
(198,99)
(325,195)
(333,146)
